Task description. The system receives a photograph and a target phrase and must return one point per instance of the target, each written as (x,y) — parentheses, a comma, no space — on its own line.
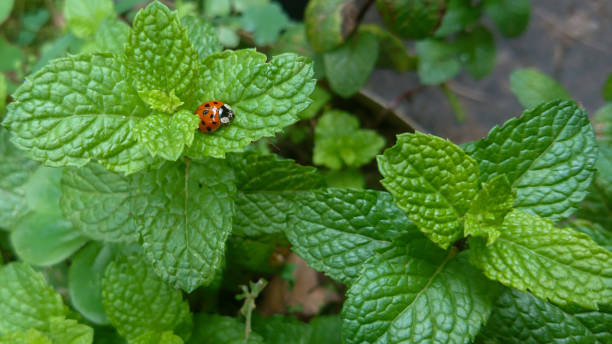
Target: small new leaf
(558,264)
(69,331)
(433,181)
(167,136)
(489,208)
(30,336)
(160,100)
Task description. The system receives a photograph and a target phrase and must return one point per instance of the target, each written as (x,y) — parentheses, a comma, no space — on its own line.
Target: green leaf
(265,97)
(68,331)
(533,87)
(336,230)
(412,19)
(400,298)
(477,51)
(346,178)
(85,189)
(458,15)
(136,300)
(167,136)
(326,329)
(214,8)
(433,181)
(320,97)
(202,35)
(606,90)
(85,281)
(160,101)
(89,115)
(159,55)
(83,17)
(184,239)
(5,9)
(349,66)
(558,264)
(3,93)
(30,336)
(489,208)
(12,57)
(548,155)
(152,337)
(510,16)
(515,315)
(279,329)
(26,301)
(328,23)
(265,21)
(214,329)
(110,37)
(599,234)
(438,61)
(293,40)
(15,170)
(339,141)
(392,52)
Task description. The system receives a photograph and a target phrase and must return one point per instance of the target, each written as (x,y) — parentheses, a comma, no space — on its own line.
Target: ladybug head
(226,115)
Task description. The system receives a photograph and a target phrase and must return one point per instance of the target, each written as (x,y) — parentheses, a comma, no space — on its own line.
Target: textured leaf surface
(151,337)
(159,54)
(324,21)
(349,66)
(184,217)
(69,331)
(84,16)
(85,281)
(558,264)
(279,329)
(548,155)
(76,109)
(533,87)
(136,300)
(599,234)
(414,19)
(167,136)
(30,336)
(519,318)
(400,298)
(213,329)
(160,101)
(438,61)
(510,16)
(265,97)
(26,301)
(97,202)
(597,205)
(433,181)
(337,230)
(489,208)
(202,36)
(339,141)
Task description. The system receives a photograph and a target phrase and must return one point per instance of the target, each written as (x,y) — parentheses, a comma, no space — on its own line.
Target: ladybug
(213,115)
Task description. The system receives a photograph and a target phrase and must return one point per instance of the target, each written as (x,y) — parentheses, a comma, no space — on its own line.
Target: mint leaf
(264,96)
(326,329)
(183,239)
(167,136)
(415,19)
(136,300)
(159,55)
(26,301)
(558,264)
(110,37)
(62,330)
(336,230)
(510,16)
(489,208)
(347,178)
(326,32)
(83,17)
(293,40)
(547,154)
(433,181)
(515,314)
(160,101)
(30,336)
(392,53)
(597,205)
(90,114)
(533,87)
(152,337)
(339,141)
(457,16)
(213,329)
(349,66)
(85,281)
(84,189)
(320,97)
(438,61)
(599,234)
(202,35)
(400,298)
(477,51)
(265,20)
(279,329)
(15,170)
(5,9)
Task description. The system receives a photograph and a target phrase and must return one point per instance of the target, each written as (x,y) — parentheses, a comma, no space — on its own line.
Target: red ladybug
(213,115)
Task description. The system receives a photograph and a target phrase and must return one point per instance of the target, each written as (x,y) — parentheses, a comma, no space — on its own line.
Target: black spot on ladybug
(212,116)
(216,102)
(202,122)
(208,128)
(205,112)
(214,122)
(207,105)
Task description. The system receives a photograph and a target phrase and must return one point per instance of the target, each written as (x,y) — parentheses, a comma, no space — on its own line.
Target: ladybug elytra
(213,115)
